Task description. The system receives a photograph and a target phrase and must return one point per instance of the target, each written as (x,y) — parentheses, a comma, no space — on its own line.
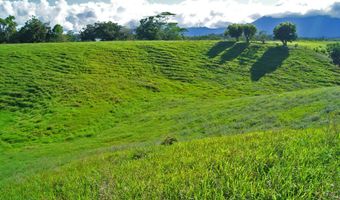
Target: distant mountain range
(319,26)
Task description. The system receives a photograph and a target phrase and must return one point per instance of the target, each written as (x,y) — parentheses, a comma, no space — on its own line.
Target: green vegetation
(155,27)
(158,28)
(249,31)
(269,165)
(69,102)
(334,53)
(105,31)
(33,31)
(263,37)
(285,32)
(7,29)
(234,31)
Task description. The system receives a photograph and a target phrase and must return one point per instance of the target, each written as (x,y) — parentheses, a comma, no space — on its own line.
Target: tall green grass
(287,164)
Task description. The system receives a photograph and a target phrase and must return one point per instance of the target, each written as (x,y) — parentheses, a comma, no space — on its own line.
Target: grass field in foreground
(65,102)
(267,165)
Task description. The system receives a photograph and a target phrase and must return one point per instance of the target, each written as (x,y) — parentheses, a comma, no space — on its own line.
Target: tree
(263,37)
(126,34)
(235,31)
(334,52)
(150,28)
(173,32)
(33,31)
(55,34)
(249,31)
(106,31)
(88,33)
(71,36)
(7,29)
(285,32)
(158,28)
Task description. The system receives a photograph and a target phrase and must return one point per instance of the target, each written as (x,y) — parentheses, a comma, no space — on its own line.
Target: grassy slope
(270,165)
(53,92)
(61,101)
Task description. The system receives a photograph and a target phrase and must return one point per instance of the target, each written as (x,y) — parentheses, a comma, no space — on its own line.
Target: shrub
(169,141)
(139,154)
(334,53)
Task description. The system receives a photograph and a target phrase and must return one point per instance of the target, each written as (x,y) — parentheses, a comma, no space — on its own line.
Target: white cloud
(189,12)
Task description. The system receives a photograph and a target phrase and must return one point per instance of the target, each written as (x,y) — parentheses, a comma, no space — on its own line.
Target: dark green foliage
(158,28)
(105,31)
(55,34)
(285,32)
(169,141)
(334,53)
(249,31)
(88,33)
(7,29)
(108,31)
(139,154)
(33,31)
(235,31)
(150,28)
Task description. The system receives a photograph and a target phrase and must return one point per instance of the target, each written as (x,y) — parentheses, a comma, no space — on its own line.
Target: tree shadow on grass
(269,62)
(219,47)
(233,52)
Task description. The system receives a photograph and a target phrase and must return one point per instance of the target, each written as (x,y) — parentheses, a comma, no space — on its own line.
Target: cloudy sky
(74,14)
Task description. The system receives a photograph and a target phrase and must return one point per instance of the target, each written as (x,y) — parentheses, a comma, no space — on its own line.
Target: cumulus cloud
(210,13)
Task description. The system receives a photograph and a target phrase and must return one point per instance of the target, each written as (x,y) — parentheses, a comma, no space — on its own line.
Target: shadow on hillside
(233,52)
(249,55)
(219,48)
(269,62)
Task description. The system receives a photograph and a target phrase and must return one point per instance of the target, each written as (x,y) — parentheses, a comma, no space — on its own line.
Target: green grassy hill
(68,101)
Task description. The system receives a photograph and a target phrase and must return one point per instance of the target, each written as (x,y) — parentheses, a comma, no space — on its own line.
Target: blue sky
(75,14)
